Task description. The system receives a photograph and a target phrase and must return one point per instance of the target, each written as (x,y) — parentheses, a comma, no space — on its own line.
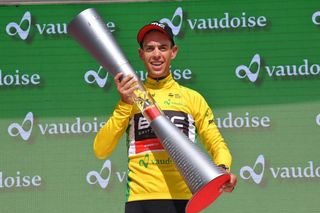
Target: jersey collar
(166,82)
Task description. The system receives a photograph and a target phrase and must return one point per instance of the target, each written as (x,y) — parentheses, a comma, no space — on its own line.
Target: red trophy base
(207,194)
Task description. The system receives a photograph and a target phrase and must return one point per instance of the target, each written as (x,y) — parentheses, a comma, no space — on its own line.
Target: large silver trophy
(202,176)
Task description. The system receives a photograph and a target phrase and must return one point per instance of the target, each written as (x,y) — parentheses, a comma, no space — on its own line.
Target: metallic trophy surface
(202,176)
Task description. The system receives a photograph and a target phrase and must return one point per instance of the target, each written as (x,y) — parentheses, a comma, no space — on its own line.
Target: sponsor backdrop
(256,63)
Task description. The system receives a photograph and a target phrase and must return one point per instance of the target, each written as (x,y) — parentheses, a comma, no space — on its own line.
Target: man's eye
(149,49)
(163,48)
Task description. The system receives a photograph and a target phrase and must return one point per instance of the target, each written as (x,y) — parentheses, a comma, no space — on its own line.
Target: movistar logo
(253,72)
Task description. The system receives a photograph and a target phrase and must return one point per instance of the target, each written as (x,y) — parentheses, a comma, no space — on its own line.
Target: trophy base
(207,194)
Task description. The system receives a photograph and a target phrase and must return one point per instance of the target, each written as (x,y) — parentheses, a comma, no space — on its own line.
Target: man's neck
(159,78)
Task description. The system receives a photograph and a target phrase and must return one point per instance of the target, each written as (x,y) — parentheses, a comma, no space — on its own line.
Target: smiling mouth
(156,63)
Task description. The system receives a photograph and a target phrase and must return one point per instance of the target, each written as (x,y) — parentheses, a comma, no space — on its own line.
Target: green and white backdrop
(257,63)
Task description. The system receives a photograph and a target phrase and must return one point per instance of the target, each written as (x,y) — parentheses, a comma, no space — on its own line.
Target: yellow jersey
(151,172)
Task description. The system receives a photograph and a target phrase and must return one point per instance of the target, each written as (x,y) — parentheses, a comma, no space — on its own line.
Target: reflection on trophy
(202,176)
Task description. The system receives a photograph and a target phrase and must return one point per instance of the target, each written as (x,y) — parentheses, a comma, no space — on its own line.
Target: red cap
(155,25)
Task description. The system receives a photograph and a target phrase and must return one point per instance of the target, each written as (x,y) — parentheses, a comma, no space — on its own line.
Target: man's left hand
(229,186)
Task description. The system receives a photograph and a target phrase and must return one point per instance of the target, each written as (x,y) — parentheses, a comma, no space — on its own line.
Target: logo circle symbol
(25,134)
(103,182)
(243,71)
(316,18)
(13,28)
(175,29)
(247,172)
(318,119)
(96,78)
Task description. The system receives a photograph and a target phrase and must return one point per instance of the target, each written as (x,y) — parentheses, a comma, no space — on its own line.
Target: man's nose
(156,52)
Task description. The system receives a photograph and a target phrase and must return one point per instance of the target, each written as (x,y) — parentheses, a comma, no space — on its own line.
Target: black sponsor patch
(143,129)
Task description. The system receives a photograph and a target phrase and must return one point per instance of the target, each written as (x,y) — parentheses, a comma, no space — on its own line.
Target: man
(154,183)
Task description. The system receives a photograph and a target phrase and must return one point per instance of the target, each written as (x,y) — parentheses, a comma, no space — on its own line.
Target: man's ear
(174,52)
(141,53)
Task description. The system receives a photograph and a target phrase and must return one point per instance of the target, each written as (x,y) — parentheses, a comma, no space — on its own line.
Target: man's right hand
(125,87)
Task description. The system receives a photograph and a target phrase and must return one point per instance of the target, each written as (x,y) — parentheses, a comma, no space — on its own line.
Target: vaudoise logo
(23,27)
(14,28)
(256,72)
(93,76)
(248,172)
(103,177)
(259,172)
(24,129)
(177,15)
(73,125)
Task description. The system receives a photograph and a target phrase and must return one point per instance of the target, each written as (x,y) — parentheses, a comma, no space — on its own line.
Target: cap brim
(147,29)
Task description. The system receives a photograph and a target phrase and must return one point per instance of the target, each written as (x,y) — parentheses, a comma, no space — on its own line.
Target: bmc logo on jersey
(145,139)
(142,129)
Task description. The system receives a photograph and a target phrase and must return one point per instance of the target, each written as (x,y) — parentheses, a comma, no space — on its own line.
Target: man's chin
(156,74)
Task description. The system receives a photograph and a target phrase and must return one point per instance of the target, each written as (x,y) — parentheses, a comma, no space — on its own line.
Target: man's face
(157,53)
